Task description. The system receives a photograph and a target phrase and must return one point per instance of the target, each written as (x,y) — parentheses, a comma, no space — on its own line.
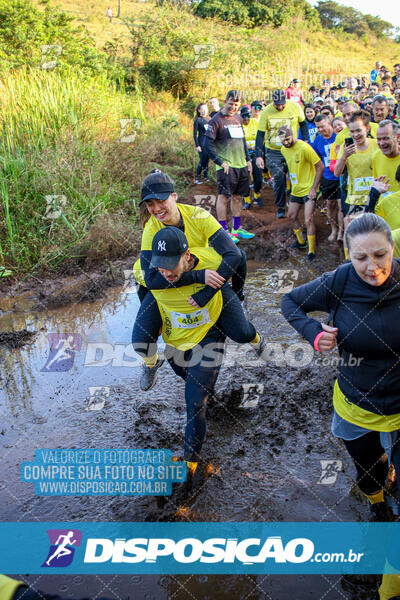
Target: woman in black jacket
(366,315)
(200,126)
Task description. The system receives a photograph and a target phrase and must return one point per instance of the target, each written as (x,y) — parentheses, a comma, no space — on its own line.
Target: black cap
(245,113)
(279,97)
(167,248)
(157,185)
(256,103)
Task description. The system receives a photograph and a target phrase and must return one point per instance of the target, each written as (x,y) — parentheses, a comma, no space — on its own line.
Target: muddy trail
(266,455)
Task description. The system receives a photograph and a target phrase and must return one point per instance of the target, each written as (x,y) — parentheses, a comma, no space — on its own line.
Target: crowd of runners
(342,147)
(336,147)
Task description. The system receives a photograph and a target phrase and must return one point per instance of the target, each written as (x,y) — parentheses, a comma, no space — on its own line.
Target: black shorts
(299,199)
(330,189)
(237,183)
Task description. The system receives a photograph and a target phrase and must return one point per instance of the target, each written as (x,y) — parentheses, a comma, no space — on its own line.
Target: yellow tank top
(184,326)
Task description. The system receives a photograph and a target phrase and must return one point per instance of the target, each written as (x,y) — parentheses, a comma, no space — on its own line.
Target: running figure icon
(62,549)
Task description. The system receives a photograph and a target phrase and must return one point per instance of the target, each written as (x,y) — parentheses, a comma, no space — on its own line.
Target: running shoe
(246,206)
(280,214)
(311,256)
(207,180)
(149,375)
(242,233)
(234,237)
(259,202)
(198,181)
(299,246)
(260,349)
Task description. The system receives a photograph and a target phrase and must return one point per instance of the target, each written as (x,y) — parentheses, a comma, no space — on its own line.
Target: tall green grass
(61,136)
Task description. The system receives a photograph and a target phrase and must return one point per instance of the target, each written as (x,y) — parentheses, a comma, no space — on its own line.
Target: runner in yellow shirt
(356,155)
(348,110)
(194,331)
(305,172)
(387,159)
(280,112)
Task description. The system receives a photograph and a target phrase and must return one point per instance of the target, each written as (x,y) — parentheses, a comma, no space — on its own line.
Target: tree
(252,13)
(334,15)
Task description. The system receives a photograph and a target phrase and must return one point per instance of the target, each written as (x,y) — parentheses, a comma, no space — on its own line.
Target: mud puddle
(268,457)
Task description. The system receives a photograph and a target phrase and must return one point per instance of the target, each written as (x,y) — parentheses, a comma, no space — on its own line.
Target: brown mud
(266,459)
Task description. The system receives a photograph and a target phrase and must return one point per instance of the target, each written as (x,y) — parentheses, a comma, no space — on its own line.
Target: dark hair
(198,108)
(361,115)
(380,98)
(321,117)
(367,223)
(329,109)
(312,108)
(398,174)
(234,94)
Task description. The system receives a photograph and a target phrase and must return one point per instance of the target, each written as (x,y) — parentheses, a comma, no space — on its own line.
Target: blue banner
(199,548)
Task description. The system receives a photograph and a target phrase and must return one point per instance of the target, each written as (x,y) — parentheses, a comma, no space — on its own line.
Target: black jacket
(199,129)
(368,322)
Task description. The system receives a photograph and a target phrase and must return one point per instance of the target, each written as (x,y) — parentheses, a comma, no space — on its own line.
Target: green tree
(334,15)
(256,12)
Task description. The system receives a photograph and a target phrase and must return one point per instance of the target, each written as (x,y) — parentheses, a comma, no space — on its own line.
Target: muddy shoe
(261,348)
(149,375)
(299,246)
(380,512)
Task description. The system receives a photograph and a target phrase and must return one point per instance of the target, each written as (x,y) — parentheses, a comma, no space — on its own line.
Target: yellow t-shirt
(388,207)
(199,227)
(8,587)
(360,177)
(250,133)
(184,325)
(382,165)
(271,120)
(342,135)
(301,160)
(396,239)
(361,417)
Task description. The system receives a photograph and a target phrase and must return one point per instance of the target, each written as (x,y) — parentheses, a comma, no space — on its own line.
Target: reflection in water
(21,368)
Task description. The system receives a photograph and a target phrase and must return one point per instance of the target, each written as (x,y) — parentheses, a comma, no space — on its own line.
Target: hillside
(249,59)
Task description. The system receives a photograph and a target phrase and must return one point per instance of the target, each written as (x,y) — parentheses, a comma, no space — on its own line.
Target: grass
(61,137)
(60,134)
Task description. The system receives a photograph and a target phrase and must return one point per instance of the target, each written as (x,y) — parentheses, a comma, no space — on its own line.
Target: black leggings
(366,452)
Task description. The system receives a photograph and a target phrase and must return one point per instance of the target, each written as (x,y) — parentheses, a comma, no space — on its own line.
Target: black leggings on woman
(366,452)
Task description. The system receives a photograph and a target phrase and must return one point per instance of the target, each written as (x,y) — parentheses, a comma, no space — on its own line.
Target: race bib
(326,161)
(293,178)
(190,320)
(362,184)
(235,132)
(251,144)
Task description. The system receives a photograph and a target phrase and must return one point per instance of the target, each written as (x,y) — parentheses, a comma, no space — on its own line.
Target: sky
(388,10)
